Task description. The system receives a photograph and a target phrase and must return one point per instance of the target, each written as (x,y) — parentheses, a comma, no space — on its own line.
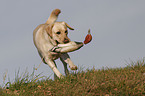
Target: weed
(118,81)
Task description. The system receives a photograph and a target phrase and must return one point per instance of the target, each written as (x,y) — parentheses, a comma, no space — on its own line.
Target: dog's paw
(73,67)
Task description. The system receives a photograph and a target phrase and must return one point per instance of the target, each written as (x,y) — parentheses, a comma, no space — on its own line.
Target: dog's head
(58,32)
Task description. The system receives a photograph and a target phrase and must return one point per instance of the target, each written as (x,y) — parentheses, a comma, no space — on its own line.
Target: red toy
(88,38)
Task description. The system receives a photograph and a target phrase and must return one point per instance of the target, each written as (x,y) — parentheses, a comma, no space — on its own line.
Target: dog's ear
(49,29)
(68,26)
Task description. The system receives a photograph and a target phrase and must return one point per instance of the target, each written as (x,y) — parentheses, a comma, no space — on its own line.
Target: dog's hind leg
(55,76)
(52,65)
(65,66)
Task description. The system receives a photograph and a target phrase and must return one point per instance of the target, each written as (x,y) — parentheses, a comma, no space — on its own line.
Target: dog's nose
(66,40)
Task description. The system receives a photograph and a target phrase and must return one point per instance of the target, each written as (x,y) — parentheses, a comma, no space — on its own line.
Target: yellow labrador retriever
(52,42)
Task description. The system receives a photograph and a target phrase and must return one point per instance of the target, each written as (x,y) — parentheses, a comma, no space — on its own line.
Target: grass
(128,81)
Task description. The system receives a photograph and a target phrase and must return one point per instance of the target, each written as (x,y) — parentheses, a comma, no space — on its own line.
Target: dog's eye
(66,31)
(58,32)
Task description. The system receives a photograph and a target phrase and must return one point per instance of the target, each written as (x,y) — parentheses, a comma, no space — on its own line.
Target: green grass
(126,81)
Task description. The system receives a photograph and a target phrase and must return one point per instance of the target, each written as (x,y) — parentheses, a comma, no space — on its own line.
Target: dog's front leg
(66,59)
(52,65)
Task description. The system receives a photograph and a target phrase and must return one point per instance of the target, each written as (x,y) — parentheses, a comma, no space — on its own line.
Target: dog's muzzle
(66,41)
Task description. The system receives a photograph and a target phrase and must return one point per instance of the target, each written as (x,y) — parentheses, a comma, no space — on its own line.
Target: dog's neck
(54,42)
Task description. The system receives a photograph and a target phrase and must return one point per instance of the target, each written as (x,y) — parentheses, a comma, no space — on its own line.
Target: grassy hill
(105,82)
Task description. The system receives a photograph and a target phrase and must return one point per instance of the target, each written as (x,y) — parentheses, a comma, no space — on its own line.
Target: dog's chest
(55,55)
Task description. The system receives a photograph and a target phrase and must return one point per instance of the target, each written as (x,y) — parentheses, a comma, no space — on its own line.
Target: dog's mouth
(65,41)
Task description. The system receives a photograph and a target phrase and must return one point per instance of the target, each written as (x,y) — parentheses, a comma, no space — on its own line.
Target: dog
(52,42)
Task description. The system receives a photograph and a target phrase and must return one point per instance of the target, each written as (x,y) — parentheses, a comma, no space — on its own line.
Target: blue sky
(117,27)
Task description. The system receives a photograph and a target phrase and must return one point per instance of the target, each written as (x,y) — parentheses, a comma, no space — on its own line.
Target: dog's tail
(53,17)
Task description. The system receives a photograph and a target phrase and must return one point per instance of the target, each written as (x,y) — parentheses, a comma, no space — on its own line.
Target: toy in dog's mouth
(70,46)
